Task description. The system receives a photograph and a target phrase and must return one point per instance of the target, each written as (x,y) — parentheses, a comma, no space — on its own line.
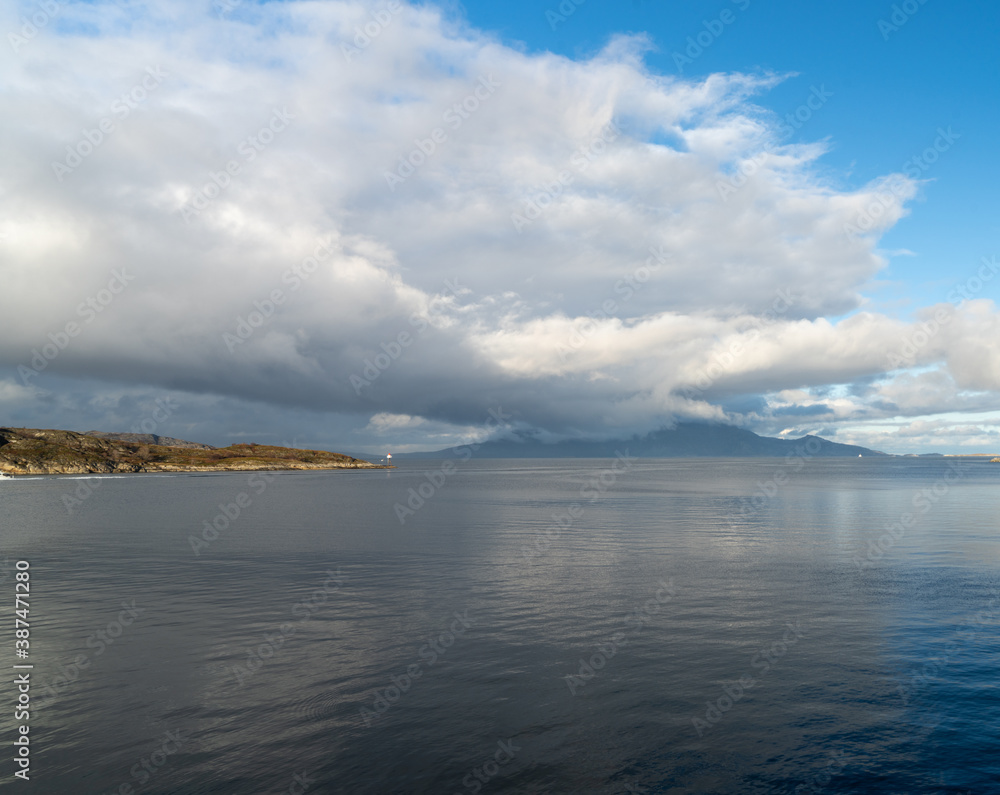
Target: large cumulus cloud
(583,242)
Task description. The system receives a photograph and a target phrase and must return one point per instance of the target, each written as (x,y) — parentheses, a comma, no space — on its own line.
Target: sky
(378,227)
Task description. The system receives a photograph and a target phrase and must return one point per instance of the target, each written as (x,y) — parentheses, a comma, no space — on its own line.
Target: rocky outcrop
(150,438)
(25,451)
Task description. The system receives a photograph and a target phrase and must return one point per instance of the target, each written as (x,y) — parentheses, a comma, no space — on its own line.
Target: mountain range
(686,440)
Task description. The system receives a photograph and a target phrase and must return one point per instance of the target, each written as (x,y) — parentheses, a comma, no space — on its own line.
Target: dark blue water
(750,626)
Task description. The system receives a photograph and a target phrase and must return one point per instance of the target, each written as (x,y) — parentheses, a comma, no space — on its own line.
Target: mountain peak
(684,440)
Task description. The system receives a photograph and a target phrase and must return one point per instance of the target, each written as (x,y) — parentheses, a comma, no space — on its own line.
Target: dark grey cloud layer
(378,244)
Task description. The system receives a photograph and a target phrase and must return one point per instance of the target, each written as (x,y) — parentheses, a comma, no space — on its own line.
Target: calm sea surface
(590,626)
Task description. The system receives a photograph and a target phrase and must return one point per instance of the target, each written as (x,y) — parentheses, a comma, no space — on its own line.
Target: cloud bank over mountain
(369,225)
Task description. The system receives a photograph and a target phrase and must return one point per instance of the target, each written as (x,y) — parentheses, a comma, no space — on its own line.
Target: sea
(793,625)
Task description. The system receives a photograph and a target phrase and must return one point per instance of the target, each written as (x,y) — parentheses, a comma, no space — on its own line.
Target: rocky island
(26,451)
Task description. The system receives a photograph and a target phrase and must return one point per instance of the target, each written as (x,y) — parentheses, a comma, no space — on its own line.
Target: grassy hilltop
(25,451)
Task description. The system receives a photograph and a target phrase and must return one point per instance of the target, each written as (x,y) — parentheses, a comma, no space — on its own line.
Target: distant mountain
(687,440)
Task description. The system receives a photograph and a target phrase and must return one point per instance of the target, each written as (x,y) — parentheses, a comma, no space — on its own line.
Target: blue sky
(286,229)
(892,89)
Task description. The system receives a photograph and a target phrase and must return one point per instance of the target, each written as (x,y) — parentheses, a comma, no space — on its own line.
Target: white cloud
(383,423)
(490,311)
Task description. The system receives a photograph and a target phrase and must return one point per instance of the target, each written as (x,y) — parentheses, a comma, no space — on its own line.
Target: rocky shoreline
(27,451)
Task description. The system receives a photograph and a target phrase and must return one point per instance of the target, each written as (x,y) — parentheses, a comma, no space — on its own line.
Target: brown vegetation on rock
(26,451)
